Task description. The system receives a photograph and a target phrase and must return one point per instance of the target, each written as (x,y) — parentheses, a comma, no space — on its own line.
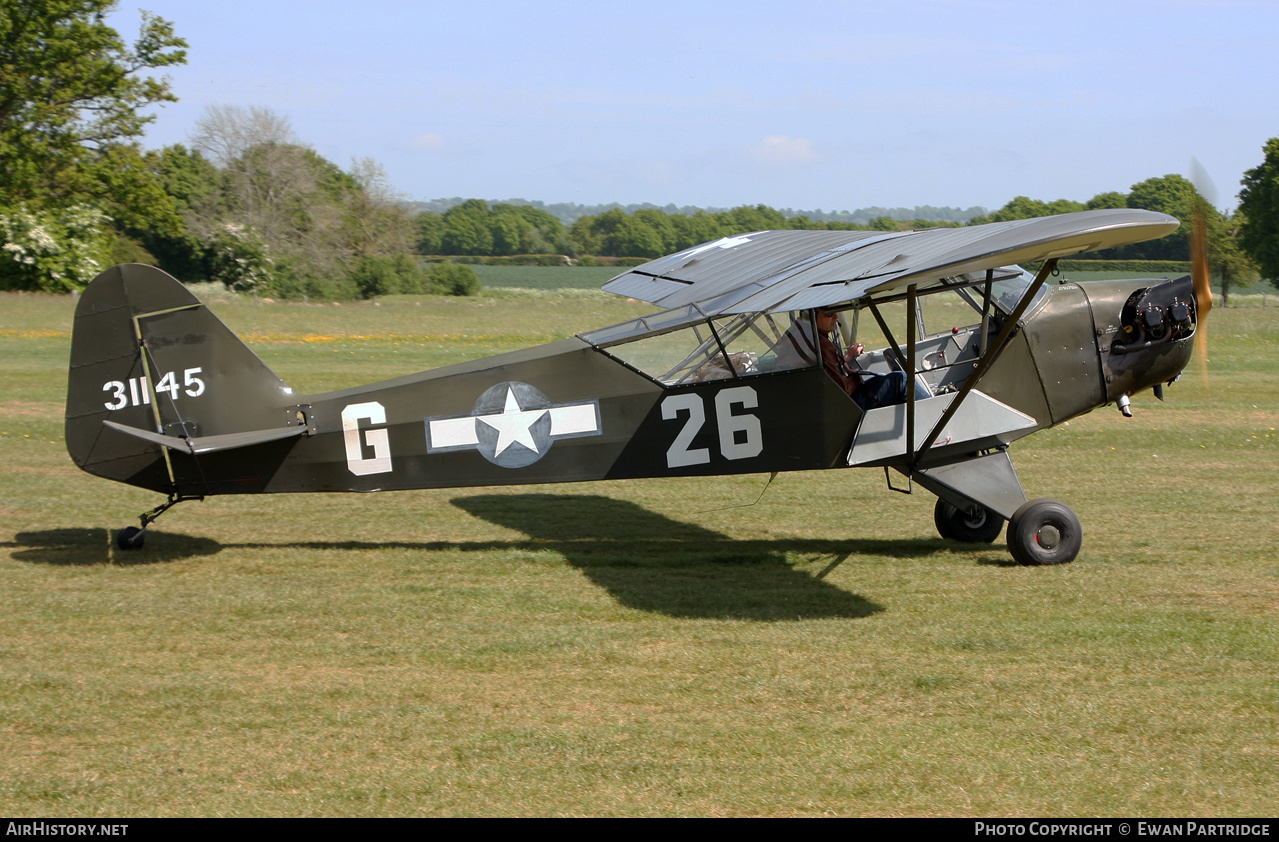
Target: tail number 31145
(134,391)
(740,435)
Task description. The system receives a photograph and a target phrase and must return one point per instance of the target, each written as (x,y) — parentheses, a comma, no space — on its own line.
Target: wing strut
(912,322)
(987,360)
(888,334)
(985,311)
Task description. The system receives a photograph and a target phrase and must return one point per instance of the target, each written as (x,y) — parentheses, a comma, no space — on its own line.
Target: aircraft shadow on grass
(650,562)
(78,546)
(644,559)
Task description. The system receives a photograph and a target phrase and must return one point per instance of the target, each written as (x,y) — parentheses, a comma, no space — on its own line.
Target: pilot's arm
(837,367)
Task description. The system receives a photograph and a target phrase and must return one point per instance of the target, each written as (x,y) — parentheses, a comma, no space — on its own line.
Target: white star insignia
(721,243)
(514,424)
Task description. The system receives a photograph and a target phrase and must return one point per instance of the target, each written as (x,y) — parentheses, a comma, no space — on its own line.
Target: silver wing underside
(769,271)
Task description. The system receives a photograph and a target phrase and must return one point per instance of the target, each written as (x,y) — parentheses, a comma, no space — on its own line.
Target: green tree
(376,221)
(700,227)
(1227,259)
(194,185)
(374,276)
(1171,194)
(71,91)
(508,230)
(618,234)
(449,278)
(744,219)
(1259,206)
(467,229)
(429,228)
(71,99)
(1110,199)
(584,236)
(664,230)
(56,250)
(544,232)
(1024,207)
(238,259)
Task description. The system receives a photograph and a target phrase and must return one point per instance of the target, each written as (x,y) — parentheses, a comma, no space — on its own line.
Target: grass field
(546,277)
(639,648)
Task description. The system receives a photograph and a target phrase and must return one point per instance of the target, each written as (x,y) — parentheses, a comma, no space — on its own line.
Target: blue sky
(832,105)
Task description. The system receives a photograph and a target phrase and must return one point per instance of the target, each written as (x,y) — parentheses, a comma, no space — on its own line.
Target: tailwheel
(980,526)
(130,538)
(1044,531)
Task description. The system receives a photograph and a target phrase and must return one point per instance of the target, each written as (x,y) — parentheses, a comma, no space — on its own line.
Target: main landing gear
(133,537)
(980,526)
(1044,531)
(1040,532)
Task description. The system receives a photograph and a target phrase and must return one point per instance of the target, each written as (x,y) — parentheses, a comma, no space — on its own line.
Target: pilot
(867,389)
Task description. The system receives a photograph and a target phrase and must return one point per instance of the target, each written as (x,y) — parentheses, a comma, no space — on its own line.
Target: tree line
(475,227)
(570,212)
(249,204)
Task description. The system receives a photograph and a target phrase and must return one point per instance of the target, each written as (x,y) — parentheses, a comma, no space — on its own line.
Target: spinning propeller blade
(1199,272)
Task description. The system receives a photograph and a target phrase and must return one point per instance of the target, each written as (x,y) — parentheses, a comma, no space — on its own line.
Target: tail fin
(153,372)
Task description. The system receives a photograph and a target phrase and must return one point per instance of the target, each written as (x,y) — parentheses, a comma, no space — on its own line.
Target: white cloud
(428,141)
(779,149)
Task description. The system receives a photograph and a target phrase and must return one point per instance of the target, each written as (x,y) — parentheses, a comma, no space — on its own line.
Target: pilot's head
(826,321)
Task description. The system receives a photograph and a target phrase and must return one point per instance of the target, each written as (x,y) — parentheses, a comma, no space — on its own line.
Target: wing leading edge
(768,271)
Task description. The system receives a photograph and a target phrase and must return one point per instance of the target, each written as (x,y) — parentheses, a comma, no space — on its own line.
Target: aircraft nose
(1145,330)
(1156,315)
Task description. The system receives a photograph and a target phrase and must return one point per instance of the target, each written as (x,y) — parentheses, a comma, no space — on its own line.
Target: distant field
(545,277)
(638,648)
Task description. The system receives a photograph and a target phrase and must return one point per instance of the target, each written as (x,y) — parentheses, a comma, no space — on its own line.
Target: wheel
(958,525)
(130,538)
(1044,531)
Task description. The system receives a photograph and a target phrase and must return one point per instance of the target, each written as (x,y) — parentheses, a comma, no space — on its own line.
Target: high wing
(769,271)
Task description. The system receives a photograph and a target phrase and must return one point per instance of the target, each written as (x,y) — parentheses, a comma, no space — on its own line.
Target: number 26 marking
(740,436)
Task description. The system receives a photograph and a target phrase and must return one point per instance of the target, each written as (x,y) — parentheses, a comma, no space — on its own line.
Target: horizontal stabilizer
(210,444)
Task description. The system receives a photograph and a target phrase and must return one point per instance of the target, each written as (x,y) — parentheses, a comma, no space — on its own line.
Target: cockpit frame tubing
(912,327)
(988,359)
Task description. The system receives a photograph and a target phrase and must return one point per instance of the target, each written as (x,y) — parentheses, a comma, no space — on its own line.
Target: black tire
(957,525)
(1044,531)
(130,538)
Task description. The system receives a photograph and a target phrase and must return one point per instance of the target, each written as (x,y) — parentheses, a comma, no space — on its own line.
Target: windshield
(1006,289)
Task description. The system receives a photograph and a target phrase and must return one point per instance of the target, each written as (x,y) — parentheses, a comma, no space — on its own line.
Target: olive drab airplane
(727,378)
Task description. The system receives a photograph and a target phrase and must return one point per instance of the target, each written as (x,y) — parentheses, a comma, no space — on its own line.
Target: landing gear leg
(1044,531)
(133,537)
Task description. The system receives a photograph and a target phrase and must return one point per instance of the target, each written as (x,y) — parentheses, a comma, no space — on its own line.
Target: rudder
(149,357)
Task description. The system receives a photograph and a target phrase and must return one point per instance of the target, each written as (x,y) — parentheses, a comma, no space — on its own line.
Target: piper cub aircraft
(731,376)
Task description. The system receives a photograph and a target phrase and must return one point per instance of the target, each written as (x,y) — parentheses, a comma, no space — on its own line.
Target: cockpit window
(723,348)
(1008,284)
(944,312)
(1008,290)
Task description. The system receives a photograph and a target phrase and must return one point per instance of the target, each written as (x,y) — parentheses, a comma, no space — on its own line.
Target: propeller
(1199,272)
